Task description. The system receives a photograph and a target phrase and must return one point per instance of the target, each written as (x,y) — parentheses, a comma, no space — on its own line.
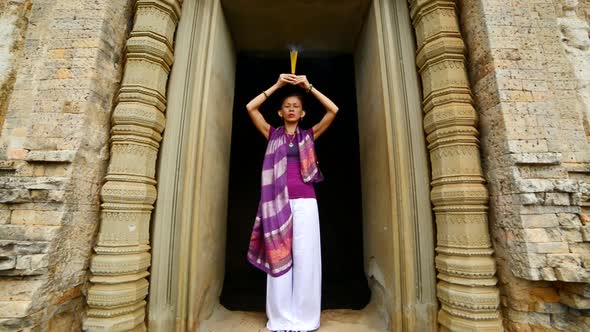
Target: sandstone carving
(575,36)
(119,268)
(467,283)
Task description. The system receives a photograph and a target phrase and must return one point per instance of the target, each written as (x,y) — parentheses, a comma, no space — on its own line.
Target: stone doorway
(189,222)
(186,251)
(344,282)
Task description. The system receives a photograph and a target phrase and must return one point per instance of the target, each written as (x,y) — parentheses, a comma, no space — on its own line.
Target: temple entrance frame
(186,273)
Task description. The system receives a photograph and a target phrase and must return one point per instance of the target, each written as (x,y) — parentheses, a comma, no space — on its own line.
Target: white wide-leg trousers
(293,300)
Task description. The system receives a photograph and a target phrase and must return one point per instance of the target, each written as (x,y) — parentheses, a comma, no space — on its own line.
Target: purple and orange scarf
(272,235)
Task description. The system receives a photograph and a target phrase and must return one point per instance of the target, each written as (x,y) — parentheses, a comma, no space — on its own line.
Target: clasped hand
(299,80)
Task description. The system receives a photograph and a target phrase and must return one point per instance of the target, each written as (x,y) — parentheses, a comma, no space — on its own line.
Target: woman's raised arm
(331,108)
(253,106)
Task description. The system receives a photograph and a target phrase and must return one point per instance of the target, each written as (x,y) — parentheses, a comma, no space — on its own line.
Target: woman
(285,241)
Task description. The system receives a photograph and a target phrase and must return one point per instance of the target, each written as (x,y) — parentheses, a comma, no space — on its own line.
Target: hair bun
(291,91)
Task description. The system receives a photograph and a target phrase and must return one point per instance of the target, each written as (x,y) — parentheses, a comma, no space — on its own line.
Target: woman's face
(291,109)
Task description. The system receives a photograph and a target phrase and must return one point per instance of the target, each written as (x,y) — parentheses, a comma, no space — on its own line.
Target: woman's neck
(290,128)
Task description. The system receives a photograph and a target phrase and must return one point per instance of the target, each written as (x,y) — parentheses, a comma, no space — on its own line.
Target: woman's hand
(301,81)
(285,79)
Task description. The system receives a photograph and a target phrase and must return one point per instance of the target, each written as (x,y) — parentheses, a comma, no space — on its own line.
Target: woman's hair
(293,93)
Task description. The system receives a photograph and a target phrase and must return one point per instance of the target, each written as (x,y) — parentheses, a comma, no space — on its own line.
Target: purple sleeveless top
(295,185)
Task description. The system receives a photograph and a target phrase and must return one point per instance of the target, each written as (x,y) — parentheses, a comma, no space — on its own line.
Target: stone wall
(60,66)
(13,25)
(530,92)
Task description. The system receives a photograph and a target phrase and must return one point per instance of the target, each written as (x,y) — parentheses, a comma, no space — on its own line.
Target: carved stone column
(119,268)
(466,269)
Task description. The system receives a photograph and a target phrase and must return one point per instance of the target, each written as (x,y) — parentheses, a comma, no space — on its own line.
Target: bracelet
(309,89)
(264,92)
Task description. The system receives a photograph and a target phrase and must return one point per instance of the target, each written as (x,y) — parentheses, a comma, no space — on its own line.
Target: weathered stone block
(7,262)
(542,171)
(65,321)
(582,289)
(542,158)
(37,217)
(27,248)
(7,165)
(529,260)
(582,248)
(531,199)
(56,170)
(15,309)
(525,272)
(42,182)
(56,196)
(568,219)
(528,235)
(577,199)
(539,220)
(19,289)
(14,196)
(4,217)
(16,153)
(574,300)
(533,185)
(48,183)
(28,233)
(548,274)
(31,265)
(543,209)
(550,308)
(545,294)
(50,156)
(48,196)
(548,247)
(568,322)
(557,199)
(532,318)
(568,185)
(572,274)
(6,248)
(17,248)
(527,145)
(555,234)
(559,260)
(571,234)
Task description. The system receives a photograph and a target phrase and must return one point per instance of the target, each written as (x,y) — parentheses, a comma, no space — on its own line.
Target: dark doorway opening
(344,284)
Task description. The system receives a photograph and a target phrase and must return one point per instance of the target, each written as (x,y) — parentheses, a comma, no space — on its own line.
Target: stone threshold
(342,320)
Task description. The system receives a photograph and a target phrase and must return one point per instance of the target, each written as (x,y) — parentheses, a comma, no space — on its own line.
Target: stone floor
(366,320)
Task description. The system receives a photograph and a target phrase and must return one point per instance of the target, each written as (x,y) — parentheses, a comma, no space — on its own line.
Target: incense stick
(293,60)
